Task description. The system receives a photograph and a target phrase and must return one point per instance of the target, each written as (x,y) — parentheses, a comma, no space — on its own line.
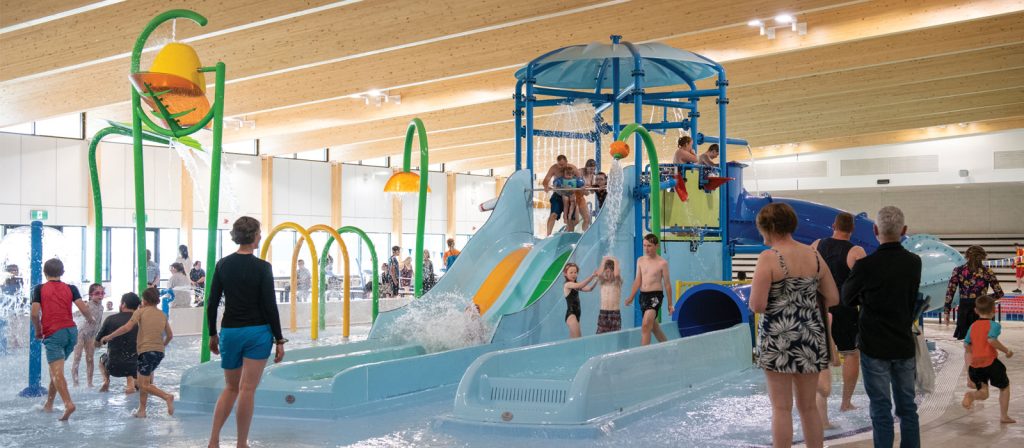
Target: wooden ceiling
(867,70)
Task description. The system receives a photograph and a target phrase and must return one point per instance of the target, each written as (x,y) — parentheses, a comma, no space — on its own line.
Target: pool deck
(958,427)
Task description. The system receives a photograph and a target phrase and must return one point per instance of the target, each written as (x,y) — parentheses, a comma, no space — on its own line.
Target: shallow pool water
(734,413)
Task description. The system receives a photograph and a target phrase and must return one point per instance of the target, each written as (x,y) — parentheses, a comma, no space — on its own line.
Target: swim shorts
(608,321)
(557,206)
(651,300)
(253,342)
(60,344)
(844,327)
(994,374)
(149,361)
(120,369)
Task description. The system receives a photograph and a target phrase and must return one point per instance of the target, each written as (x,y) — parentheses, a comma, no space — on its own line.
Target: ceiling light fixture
(781,21)
(377,97)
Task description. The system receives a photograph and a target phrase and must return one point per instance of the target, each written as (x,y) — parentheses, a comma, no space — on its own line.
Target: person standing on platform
(885,287)
(840,255)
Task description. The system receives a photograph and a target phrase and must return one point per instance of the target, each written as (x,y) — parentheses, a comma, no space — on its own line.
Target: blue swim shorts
(253,342)
(557,205)
(60,344)
(149,361)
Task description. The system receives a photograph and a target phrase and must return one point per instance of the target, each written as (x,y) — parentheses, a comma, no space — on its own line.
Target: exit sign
(38,215)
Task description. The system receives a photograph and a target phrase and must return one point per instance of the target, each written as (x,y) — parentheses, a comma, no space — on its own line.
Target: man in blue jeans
(884,286)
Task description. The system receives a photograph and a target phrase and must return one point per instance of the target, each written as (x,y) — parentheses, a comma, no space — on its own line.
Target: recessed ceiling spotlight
(755,22)
(373,92)
(963,125)
(783,19)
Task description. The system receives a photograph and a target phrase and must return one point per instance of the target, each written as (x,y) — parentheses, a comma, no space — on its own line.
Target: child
(121,359)
(708,158)
(154,334)
(572,289)
(983,363)
(87,334)
(684,151)
(51,319)
(652,280)
(566,182)
(601,183)
(610,278)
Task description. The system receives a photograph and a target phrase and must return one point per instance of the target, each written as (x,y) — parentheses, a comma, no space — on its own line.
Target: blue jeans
(885,381)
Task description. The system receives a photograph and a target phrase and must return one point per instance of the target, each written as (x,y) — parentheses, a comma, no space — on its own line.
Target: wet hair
(843,222)
(131,300)
(451,242)
(183,251)
(684,141)
(975,255)
(561,158)
(244,230)
(985,304)
(651,238)
(777,218)
(151,296)
(713,147)
(568,171)
(590,163)
(178,267)
(93,287)
(890,221)
(53,267)
(609,265)
(565,270)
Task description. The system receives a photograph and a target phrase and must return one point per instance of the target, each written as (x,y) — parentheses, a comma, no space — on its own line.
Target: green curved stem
(373,259)
(652,157)
(97,196)
(214,209)
(416,129)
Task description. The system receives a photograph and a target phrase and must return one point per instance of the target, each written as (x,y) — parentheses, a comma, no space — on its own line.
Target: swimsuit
(572,304)
(792,333)
(609,320)
(651,300)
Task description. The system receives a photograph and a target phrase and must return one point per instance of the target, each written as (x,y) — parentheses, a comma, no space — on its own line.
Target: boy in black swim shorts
(652,281)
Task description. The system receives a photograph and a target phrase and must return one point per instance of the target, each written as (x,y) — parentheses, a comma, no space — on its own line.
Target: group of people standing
(832,304)
(185,286)
(396,275)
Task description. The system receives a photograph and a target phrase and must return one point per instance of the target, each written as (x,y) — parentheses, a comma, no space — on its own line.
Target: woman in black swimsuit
(572,289)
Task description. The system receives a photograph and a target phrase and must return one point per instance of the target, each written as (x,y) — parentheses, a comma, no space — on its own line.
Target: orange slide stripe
(498,279)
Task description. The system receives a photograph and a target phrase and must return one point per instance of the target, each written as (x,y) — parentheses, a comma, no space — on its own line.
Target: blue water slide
(333,381)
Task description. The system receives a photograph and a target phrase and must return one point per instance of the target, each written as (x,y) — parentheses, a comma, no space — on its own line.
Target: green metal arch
(373,259)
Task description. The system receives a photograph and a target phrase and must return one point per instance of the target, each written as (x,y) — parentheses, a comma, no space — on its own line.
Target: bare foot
(968,401)
(1007,419)
(129,390)
(139,414)
(170,405)
(847,407)
(105,387)
(90,385)
(829,425)
(69,408)
(48,407)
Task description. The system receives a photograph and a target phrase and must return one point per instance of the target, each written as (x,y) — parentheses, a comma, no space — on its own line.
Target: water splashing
(613,204)
(440,322)
(753,167)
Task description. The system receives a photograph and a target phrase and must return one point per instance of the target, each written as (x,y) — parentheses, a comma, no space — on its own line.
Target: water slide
(511,275)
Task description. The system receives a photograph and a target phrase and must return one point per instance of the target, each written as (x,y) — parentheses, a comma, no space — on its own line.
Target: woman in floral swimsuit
(973,279)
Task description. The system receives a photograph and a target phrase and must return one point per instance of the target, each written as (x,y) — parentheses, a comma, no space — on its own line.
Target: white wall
(974,153)
(301,192)
(470,191)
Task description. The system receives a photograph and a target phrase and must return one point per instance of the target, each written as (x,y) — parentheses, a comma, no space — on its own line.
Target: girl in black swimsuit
(572,289)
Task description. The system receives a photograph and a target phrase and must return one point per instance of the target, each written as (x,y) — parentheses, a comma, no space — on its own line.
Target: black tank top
(834,253)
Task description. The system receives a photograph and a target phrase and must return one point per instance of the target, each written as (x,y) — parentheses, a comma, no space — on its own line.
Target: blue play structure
(35,357)
(524,375)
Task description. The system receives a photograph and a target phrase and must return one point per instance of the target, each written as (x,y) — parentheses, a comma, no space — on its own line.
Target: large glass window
(281,253)
(122,267)
(379,161)
(24,128)
(247,147)
(167,251)
(316,155)
(67,126)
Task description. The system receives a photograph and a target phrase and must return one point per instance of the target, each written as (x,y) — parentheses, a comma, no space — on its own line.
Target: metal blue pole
(616,125)
(519,124)
(638,117)
(723,192)
(529,125)
(35,358)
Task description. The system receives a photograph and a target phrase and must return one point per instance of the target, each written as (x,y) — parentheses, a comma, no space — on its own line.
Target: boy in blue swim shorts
(154,334)
(53,324)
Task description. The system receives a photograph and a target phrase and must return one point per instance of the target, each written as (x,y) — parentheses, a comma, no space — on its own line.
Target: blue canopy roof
(579,66)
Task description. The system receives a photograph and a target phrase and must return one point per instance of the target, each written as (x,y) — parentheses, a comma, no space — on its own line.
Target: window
(484,172)
(379,161)
(24,128)
(67,126)
(316,155)
(122,268)
(281,252)
(436,167)
(246,147)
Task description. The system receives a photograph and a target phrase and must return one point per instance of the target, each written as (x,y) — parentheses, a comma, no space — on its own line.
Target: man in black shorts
(840,255)
(557,204)
(652,281)
(120,360)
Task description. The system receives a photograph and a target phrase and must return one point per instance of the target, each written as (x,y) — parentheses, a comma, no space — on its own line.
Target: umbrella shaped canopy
(579,66)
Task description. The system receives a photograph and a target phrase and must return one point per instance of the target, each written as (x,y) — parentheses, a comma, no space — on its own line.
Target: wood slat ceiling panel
(13,12)
(112,30)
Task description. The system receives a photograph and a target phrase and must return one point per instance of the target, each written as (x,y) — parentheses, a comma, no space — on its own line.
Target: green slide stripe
(552,274)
